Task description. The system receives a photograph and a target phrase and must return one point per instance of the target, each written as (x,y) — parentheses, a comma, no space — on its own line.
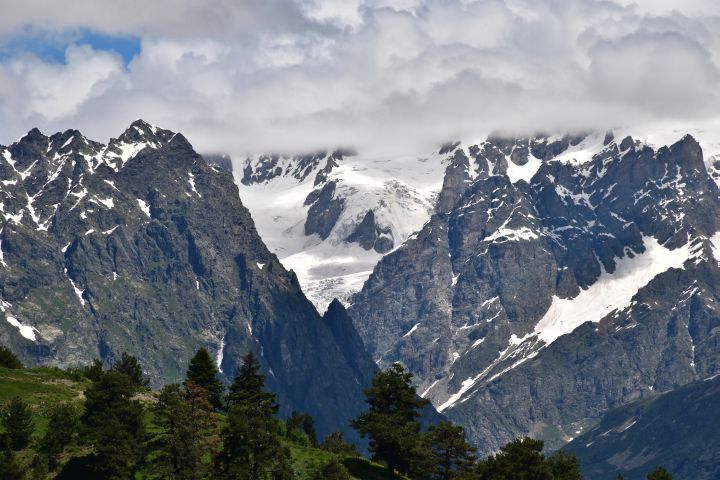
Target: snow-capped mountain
(558,277)
(330,216)
(139,245)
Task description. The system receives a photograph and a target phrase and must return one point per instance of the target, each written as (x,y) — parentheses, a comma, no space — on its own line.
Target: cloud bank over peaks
(295,75)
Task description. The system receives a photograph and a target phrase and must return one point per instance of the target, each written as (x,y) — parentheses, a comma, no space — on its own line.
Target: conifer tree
(518,460)
(302,422)
(249,383)
(335,443)
(391,423)
(62,427)
(565,466)
(203,372)
(184,415)
(660,473)
(130,366)
(252,448)
(331,470)
(450,453)
(113,424)
(8,359)
(251,444)
(95,371)
(18,422)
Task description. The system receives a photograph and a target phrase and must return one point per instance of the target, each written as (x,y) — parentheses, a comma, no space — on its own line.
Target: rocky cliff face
(557,278)
(674,429)
(141,246)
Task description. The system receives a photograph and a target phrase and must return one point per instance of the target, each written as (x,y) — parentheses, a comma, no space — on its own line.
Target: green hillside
(42,388)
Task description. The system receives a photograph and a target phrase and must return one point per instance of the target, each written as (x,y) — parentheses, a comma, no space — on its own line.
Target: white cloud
(662,73)
(33,89)
(297,75)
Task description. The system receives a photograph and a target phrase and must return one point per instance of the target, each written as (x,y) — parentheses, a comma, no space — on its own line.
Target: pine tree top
(249,384)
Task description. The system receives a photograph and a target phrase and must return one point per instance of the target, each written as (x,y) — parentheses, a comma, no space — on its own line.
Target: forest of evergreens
(117,428)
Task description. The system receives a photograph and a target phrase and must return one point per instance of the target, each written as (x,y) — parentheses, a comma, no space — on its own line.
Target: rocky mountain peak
(544,250)
(141,246)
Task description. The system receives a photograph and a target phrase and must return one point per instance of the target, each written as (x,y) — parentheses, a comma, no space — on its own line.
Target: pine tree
(660,473)
(335,443)
(18,422)
(203,372)
(521,459)
(252,448)
(451,454)
(331,470)
(251,444)
(184,415)
(391,423)
(130,366)
(8,359)
(565,466)
(62,427)
(95,371)
(302,422)
(113,424)
(249,383)
(282,470)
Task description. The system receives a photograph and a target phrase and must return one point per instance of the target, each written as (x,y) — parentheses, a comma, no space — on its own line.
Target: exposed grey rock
(325,209)
(455,181)
(220,160)
(448,148)
(140,246)
(384,243)
(266,167)
(458,302)
(322,174)
(365,232)
(369,235)
(676,429)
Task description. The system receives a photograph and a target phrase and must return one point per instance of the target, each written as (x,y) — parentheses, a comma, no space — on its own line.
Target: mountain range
(554,279)
(140,246)
(534,286)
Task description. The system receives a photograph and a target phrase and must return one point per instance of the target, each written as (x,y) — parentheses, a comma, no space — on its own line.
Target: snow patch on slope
(612,291)
(144,207)
(523,172)
(584,151)
(25,330)
(715,242)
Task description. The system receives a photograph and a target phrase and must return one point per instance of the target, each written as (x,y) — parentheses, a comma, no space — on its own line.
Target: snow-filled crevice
(220,353)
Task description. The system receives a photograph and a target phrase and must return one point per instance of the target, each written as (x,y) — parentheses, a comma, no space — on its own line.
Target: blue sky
(51,48)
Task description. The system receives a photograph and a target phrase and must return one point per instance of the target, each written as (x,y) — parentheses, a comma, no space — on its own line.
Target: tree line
(198,430)
(442,452)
